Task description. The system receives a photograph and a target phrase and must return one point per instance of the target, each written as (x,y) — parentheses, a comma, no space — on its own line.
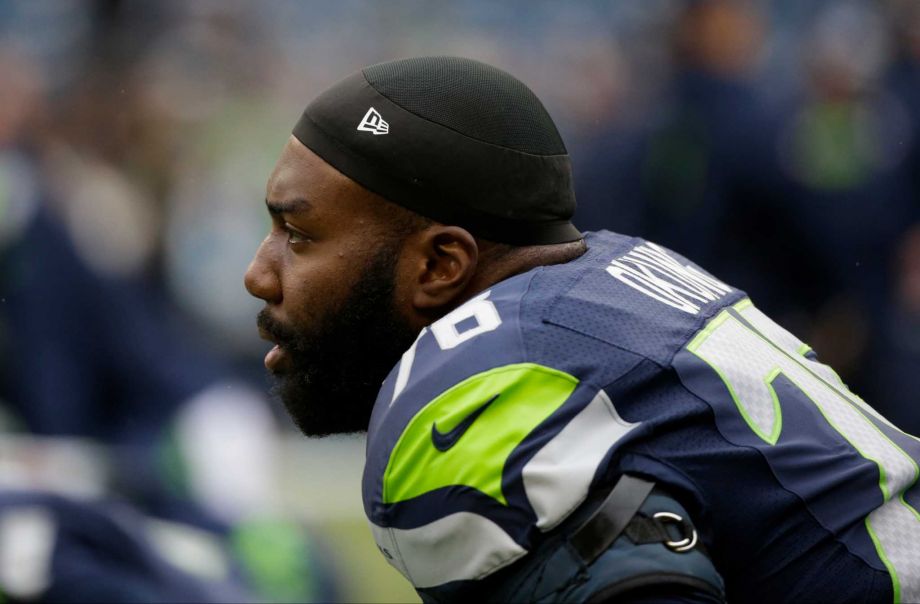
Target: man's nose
(261,279)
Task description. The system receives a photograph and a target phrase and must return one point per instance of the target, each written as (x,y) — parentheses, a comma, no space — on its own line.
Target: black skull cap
(452,139)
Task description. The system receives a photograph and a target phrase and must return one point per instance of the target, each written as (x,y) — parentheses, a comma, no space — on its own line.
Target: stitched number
(749,352)
(479,311)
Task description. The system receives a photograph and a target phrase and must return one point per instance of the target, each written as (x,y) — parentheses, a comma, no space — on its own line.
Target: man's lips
(276,359)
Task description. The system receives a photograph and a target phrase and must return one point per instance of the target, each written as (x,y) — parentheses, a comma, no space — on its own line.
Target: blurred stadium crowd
(775,143)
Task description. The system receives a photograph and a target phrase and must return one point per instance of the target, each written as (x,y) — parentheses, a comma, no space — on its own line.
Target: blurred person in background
(849,152)
(698,173)
(897,379)
(56,548)
(92,350)
(896,351)
(809,179)
(98,365)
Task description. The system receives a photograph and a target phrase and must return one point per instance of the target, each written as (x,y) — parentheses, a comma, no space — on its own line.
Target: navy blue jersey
(508,412)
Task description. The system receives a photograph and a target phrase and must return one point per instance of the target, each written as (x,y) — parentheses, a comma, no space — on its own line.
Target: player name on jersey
(648,268)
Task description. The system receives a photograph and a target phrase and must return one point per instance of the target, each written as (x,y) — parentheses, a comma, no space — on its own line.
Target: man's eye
(293,236)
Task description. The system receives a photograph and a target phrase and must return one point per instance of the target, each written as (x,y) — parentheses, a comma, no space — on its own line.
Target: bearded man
(562,417)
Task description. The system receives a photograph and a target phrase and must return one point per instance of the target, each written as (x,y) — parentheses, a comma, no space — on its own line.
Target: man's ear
(443,260)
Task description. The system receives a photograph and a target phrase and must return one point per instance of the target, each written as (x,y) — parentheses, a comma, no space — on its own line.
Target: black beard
(336,368)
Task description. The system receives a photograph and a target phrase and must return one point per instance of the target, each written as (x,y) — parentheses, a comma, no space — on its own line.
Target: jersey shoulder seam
(701,322)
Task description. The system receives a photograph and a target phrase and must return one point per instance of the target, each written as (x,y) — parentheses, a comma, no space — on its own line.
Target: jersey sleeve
(475,449)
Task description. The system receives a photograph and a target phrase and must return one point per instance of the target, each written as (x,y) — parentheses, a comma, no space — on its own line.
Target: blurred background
(777,144)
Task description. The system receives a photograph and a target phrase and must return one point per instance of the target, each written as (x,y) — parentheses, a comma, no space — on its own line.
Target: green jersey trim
(522,396)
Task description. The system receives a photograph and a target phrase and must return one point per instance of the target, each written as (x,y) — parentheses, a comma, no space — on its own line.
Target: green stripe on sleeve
(527,395)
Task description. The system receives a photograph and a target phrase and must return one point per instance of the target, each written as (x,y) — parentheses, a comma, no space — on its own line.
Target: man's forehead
(302,180)
(301,174)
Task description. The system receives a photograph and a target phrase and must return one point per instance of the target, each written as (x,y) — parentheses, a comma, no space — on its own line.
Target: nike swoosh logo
(444,441)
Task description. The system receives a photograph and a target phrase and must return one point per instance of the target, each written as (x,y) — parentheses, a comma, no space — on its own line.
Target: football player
(563,416)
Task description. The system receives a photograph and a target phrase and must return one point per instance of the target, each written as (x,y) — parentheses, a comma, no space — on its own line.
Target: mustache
(282,334)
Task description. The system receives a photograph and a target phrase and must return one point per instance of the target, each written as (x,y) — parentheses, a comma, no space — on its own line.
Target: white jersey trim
(458,547)
(557,478)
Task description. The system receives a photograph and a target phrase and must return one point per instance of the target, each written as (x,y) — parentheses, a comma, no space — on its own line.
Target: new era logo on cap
(373,122)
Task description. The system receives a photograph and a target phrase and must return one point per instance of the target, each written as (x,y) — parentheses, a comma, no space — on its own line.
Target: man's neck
(499,263)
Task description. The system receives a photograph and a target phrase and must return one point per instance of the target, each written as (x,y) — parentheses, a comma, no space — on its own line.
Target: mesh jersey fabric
(781,521)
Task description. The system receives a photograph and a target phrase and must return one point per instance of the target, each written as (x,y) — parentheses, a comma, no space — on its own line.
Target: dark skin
(330,239)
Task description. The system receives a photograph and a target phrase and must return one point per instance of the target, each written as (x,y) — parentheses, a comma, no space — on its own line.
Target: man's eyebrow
(288,207)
